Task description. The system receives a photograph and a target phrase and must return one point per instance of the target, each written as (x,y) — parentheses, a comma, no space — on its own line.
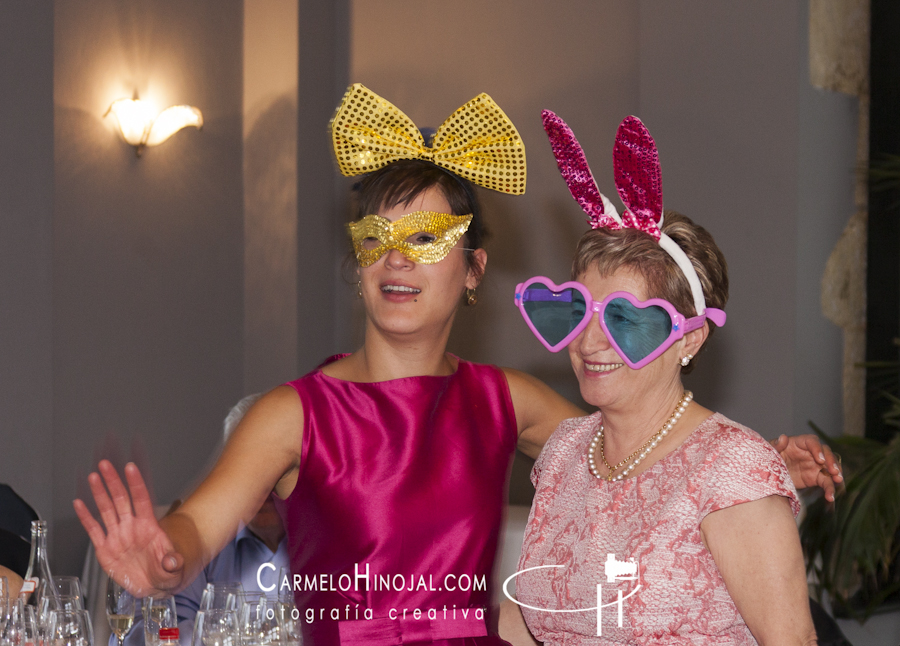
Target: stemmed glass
(288,622)
(216,628)
(70,586)
(58,601)
(21,629)
(222,596)
(159,615)
(70,628)
(258,619)
(4,604)
(63,593)
(285,611)
(120,607)
(285,584)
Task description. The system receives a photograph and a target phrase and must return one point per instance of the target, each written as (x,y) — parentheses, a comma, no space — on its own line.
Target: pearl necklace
(642,452)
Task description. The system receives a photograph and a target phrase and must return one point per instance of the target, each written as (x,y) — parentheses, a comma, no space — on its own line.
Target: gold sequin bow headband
(477,142)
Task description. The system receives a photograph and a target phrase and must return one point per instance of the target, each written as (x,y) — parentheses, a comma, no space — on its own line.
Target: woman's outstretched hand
(134,550)
(810,463)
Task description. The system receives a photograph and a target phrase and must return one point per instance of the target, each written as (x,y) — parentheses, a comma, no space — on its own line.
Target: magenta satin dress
(394,521)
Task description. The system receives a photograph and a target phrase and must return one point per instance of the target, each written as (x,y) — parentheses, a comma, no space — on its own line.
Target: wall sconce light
(139,127)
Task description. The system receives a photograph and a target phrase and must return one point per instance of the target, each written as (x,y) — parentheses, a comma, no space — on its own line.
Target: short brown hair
(402,181)
(610,250)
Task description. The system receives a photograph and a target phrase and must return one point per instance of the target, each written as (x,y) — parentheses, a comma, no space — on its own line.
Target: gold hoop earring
(471,297)
(359,289)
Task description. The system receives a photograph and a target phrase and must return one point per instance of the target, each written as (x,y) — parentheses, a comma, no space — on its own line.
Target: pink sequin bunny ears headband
(638,181)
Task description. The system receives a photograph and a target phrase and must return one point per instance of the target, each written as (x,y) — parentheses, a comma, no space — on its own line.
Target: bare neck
(629,425)
(384,357)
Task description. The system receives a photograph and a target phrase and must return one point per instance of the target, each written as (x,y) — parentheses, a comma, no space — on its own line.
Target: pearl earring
(685,360)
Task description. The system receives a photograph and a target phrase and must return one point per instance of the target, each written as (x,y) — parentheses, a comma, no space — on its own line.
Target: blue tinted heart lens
(553,314)
(637,331)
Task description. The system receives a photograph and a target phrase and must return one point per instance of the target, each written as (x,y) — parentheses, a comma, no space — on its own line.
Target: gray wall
(147,264)
(764,161)
(270,193)
(126,332)
(26,217)
(323,41)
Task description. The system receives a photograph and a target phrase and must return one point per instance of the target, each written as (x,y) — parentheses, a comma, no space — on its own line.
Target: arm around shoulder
(512,625)
(260,456)
(539,410)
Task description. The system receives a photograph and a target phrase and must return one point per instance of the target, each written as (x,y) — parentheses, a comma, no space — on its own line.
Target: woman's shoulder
(575,424)
(463,366)
(281,401)
(574,430)
(567,445)
(718,434)
(735,464)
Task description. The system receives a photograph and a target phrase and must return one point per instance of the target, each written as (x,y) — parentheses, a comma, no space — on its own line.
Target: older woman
(391,461)
(678,522)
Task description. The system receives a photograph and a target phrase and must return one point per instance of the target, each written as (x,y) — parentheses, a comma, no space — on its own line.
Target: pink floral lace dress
(640,536)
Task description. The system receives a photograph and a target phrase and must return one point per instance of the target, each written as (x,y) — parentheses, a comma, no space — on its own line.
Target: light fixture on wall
(140,126)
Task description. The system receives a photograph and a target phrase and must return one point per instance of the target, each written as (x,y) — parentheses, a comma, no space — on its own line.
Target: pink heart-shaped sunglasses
(639,331)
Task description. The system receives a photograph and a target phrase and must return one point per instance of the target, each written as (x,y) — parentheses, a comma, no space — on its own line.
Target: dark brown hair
(402,181)
(610,250)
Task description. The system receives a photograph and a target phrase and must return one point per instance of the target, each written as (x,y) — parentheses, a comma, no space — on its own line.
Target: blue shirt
(238,561)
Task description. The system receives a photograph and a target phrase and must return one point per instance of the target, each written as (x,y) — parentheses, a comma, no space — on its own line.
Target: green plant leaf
(857,542)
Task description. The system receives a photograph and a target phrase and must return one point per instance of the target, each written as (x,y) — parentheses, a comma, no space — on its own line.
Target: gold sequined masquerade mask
(477,142)
(424,237)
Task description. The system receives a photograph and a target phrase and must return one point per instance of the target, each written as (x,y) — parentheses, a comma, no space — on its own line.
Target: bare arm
(146,556)
(14,580)
(757,549)
(539,410)
(262,453)
(512,625)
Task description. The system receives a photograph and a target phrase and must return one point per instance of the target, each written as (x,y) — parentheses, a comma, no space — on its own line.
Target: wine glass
(159,615)
(288,622)
(119,610)
(285,584)
(216,628)
(21,629)
(4,604)
(57,602)
(222,596)
(49,604)
(259,624)
(70,586)
(70,628)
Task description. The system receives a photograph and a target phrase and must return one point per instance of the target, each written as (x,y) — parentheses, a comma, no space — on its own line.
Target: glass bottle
(38,580)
